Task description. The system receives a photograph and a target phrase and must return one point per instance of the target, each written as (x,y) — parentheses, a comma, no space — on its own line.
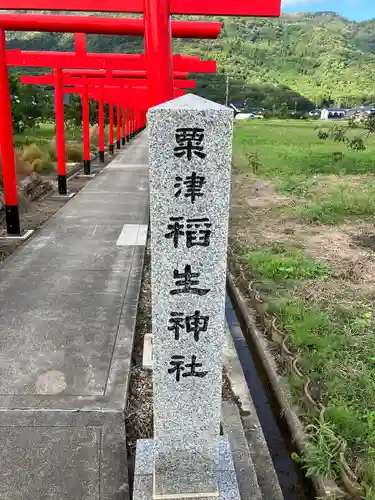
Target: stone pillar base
(144,475)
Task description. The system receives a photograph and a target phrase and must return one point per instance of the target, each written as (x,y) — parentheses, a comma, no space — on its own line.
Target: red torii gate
(59,60)
(158,43)
(70,60)
(266,8)
(83,84)
(157,23)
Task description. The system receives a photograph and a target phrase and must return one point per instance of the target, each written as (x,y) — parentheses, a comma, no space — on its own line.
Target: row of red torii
(128,83)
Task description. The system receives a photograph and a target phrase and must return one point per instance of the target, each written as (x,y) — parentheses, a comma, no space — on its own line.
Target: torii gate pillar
(158,45)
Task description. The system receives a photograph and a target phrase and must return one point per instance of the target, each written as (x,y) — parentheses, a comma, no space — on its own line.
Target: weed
(253,161)
(290,264)
(347,422)
(312,330)
(31,153)
(74,152)
(52,150)
(43,165)
(322,134)
(322,450)
(334,340)
(340,203)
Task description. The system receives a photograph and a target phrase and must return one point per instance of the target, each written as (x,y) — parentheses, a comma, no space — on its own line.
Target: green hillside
(320,56)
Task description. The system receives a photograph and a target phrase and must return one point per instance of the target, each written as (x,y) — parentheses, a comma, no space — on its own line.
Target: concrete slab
(63,455)
(66,197)
(224,472)
(11,238)
(68,306)
(147,352)
(106,183)
(133,235)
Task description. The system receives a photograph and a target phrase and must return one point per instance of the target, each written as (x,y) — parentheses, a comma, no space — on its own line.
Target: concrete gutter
(252,434)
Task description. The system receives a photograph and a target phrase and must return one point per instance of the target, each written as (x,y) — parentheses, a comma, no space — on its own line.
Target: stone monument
(190,154)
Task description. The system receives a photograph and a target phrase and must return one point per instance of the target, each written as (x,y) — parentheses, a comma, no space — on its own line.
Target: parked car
(246,116)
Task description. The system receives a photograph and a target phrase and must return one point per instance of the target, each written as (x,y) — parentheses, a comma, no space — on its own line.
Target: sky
(357,10)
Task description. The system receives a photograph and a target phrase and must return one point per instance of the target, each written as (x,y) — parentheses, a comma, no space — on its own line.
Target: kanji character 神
(193,324)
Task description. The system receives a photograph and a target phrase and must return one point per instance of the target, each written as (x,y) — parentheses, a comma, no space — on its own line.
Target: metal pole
(158,48)
(129,124)
(86,129)
(101,125)
(111,140)
(60,133)
(227,92)
(118,126)
(8,163)
(123,137)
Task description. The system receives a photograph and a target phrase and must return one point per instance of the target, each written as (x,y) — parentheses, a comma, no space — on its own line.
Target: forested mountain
(319,56)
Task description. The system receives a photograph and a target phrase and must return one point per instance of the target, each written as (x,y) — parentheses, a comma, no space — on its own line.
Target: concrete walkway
(68,304)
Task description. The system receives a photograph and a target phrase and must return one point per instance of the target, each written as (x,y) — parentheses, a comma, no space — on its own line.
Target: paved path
(68,304)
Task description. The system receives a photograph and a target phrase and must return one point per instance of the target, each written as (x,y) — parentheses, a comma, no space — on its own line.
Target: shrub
(23,168)
(51,148)
(31,153)
(94,135)
(43,165)
(74,152)
(253,161)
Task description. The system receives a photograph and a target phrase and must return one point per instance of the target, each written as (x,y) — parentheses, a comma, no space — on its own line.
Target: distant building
(360,112)
(333,113)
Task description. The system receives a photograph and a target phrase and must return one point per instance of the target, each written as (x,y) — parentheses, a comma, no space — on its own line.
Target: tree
(30,103)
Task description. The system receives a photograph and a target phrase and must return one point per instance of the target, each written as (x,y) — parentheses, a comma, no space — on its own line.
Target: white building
(332,113)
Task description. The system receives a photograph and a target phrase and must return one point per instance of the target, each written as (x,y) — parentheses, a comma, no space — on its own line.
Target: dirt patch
(256,221)
(365,240)
(336,245)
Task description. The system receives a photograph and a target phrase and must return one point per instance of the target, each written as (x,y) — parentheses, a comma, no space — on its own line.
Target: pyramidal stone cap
(193,102)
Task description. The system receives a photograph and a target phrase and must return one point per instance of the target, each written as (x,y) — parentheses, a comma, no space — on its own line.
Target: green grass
(43,135)
(290,152)
(337,351)
(281,264)
(44,138)
(328,184)
(337,204)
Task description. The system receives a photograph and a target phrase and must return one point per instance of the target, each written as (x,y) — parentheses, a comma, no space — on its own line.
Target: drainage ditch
(293,483)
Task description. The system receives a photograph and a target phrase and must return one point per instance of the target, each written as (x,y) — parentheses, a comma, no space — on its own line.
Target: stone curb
(323,488)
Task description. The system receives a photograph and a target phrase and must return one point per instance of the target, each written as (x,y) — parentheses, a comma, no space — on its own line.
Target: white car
(245,116)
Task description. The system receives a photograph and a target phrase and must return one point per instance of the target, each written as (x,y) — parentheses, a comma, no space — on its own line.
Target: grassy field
(302,227)
(37,147)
